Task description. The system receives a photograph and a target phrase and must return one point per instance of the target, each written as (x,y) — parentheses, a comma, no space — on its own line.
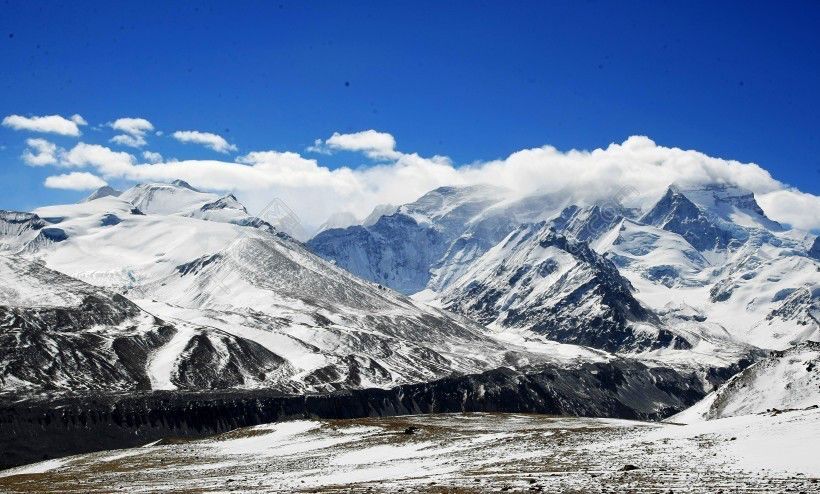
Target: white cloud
(107,162)
(318,147)
(315,191)
(40,152)
(374,144)
(151,156)
(134,130)
(74,181)
(133,126)
(54,124)
(791,206)
(129,140)
(207,139)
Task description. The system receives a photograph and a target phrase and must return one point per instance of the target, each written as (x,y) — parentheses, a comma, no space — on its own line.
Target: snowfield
(465,453)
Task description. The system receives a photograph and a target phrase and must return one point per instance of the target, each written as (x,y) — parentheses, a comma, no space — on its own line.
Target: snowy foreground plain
(772,452)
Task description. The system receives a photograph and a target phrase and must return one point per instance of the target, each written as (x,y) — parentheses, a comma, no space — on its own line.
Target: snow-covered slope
(657,255)
(540,280)
(400,249)
(18,229)
(62,334)
(732,204)
(252,308)
(457,453)
(173,198)
(784,380)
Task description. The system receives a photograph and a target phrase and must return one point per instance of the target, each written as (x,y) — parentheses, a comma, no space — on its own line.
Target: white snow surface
(490,452)
(783,381)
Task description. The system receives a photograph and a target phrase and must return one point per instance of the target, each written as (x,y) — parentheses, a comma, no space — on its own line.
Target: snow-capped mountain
(707,261)
(233,287)
(676,213)
(17,229)
(752,278)
(61,335)
(540,280)
(399,250)
(103,191)
(243,305)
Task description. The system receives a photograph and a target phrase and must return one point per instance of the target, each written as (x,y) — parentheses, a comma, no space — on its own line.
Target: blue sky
(474,81)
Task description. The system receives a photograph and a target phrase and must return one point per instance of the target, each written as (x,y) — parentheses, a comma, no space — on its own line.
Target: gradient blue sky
(470,80)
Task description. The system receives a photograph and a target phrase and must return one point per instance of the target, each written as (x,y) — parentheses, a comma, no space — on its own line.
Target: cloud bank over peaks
(390,176)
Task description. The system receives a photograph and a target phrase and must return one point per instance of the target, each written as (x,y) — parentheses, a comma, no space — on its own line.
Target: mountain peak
(673,189)
(814,251)
(676,213)
(225,202)
(184,184)
(104,191)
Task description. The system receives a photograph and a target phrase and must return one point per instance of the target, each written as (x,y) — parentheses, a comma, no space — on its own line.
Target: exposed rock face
(802,306)
(674,212)
(17,229)
(814,251)
(60,335)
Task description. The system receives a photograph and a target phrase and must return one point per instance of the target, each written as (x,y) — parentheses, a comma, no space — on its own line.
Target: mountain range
(166,288)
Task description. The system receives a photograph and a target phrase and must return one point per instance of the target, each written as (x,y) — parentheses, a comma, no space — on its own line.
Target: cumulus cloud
(207,139)
(151,157)
(129,140)
(374,144)
(54,124)
(791,206)
(40,152)
(134,130)
(74,181)
(107,162)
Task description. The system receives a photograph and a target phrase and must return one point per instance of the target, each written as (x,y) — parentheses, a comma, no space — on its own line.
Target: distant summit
(184,184)
(814,251)
(104,191)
